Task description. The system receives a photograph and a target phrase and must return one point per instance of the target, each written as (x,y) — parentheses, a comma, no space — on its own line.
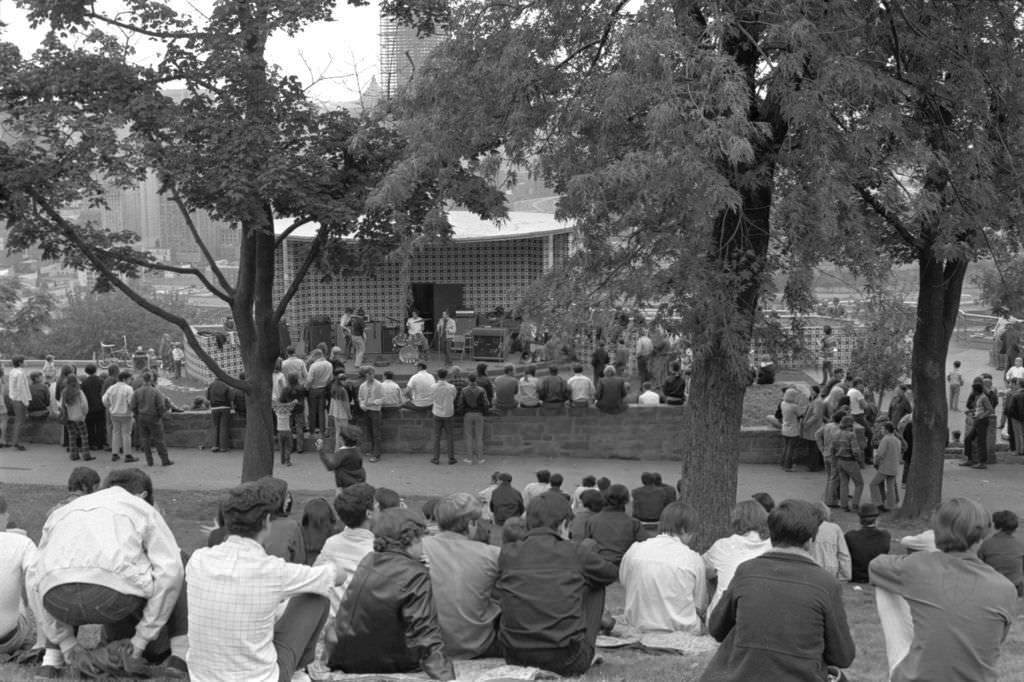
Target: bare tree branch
(179,202)
(71,233)
(288,232)
(300,275)
(888,216)
(181,270)
(160,35)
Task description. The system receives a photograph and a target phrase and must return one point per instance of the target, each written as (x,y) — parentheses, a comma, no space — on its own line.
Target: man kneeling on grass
(235,590)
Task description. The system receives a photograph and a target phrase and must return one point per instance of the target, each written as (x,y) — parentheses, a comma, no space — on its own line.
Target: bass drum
(409,354)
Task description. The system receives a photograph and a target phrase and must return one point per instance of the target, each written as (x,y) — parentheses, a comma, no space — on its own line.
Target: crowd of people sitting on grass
(378,588)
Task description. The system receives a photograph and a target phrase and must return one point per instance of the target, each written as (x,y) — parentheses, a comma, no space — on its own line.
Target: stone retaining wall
(638,433)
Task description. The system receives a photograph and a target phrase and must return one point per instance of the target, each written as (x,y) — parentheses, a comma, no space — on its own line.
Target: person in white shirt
(589,482)
(536,488)
(17,556)
(414,326)
(420,389)
(749,523)
(21,396)
(109,558)
(581,388)
(371,399)
(355,507)
(444,416)
(666,590)
(391,391)
(118,401)
(318,382)
(237,631)
(1015,372)
(644,351)
(857,402)
(828,548)
(648,397)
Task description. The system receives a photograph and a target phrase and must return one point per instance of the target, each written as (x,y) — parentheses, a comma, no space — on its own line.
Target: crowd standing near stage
(515,571)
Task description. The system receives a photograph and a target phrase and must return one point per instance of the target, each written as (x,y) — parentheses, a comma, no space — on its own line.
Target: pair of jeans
(221,427)
(296,633)
(831,481)
(318,409)
(375,431)
(20,414)
(977,439)
(850,469)
(444,425)
(789,453)
(473,425)
(151,435)
(121,434)
(359,348)
(884,485)
(96,425)
(77,604)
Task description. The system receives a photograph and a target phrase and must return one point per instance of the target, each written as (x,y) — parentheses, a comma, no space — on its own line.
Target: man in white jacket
(109,558)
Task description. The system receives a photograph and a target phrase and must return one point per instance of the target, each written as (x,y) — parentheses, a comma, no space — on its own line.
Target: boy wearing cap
(866,542)
(551,592)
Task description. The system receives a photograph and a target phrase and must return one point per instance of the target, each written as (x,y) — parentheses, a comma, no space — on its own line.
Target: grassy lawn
(188,511)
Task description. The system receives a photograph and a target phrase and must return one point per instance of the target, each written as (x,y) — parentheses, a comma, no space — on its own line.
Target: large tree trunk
(714,414)
(259,344)
(938,301)
(712,442)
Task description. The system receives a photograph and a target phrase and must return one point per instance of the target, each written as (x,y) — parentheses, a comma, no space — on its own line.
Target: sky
(341,55)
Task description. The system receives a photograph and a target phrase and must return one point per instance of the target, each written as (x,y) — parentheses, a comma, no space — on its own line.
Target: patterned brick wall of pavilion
(492,272)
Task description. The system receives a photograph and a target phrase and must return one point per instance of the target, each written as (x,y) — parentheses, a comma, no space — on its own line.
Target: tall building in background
(162,227)
(401,53)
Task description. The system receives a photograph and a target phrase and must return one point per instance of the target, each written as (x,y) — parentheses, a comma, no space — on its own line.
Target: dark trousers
(87,604)
(977,439)
(151,435)
(20,414)
(789,452)
(96,425)
(574,659)
(375,431)
(643,367)
(221,427)
(444,425)
(318,409)
(296,632)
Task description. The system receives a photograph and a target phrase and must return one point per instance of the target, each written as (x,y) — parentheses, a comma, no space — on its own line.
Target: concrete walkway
(999,487)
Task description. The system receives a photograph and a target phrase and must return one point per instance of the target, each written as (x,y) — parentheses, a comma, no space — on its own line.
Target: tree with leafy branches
(701,146)
(245,144)
(669,129)
(881,352)
(929,169)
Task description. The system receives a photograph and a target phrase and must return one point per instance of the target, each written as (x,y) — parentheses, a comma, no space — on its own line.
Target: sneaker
(214,449)
(19,447)
(980,466)
(468,461)
(115,458)
(967,463)
(48,672)
(167,463)
(88,458)
(481,461)
(375,459)
(434,461)
(130,458)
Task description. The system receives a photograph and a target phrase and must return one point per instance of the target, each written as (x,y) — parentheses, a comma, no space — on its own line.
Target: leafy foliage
(24,312)
(881,356)
(1002,286)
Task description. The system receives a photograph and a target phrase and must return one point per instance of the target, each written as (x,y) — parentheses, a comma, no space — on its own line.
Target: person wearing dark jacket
(96,418)
(551,592)
(648,500)
(674,387)
(611,392)
(782,617)
(347,460)
(599,359)
(219,395)
(387,621)
(612,529)
(506,501)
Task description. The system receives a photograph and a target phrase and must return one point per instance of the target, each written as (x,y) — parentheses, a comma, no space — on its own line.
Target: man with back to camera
(551,592)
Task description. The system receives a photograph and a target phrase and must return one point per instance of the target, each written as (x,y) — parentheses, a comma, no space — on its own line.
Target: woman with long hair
(73,408)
